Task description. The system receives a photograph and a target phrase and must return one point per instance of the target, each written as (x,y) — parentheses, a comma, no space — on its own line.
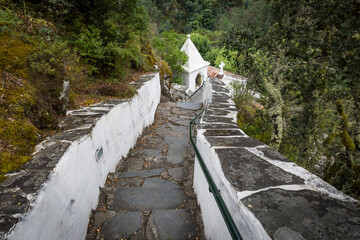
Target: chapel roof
(195,60)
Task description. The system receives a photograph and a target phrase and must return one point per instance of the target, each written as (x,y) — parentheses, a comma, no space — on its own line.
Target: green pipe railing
(235,234)
(198,89)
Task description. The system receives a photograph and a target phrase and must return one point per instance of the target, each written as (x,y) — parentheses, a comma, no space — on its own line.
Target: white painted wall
(63,206)
(189,78)
(204,95)
(214,225)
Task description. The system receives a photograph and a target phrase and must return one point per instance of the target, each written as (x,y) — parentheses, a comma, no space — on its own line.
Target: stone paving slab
(178,174)
(176,148)
(228,106)
(14,199)
(47,158)
(116,182)
(122,225)
(172,224)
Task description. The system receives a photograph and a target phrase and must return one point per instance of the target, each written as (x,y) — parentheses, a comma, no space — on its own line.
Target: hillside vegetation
(95,47)
(304,59)
(302,56)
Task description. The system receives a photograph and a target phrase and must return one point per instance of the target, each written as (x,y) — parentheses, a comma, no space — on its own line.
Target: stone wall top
(286,199)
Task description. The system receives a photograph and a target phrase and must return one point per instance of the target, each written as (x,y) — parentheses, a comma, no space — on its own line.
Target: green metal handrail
(235,234)
(198,89)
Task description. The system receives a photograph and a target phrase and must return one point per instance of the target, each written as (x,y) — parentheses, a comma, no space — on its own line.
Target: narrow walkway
(150,194)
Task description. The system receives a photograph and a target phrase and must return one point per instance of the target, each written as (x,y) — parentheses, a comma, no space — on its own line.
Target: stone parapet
(268,196)
(52,195)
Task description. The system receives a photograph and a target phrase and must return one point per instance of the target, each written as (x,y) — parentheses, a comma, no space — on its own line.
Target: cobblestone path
(150,194)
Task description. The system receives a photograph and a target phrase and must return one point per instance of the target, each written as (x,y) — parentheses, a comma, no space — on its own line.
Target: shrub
(89,45)
(48,59)
(168,47)
(240,94)
(8,20)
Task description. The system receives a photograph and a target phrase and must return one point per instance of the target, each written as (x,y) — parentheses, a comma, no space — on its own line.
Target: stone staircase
(150,195)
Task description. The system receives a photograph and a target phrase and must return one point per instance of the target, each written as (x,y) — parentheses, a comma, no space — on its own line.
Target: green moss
(13,54)
(11,162)
(332,171)
(165,70)
(150,58)
(330,138)
(341,111)
(18,136)
(18,139)
(347,141)
(19,133)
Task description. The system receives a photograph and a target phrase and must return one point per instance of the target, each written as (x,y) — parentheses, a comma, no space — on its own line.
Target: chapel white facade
(195,69)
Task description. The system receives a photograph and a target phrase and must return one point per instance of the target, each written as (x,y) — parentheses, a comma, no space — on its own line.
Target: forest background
(302,56)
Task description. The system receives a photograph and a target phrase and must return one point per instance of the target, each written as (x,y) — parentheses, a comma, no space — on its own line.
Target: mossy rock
(165,70)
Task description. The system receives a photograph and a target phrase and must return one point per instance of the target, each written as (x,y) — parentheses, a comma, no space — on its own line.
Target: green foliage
(201,42)
(255,123)
(240,94)
(8,20)
(252,120)
(177,80)
(168,47)
(48,59)
(89,45)
(185,15)
(303,56)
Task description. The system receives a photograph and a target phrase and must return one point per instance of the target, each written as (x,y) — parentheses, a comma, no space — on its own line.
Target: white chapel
(195,69)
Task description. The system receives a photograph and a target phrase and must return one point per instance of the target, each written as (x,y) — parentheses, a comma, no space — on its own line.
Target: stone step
(140,174)
(189,105)
(144,199)
(158,183)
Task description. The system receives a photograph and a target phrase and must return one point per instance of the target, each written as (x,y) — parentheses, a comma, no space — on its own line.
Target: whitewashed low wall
(63,205)
(214,225)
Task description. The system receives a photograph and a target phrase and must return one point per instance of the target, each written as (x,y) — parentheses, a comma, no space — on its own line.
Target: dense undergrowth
(95,47)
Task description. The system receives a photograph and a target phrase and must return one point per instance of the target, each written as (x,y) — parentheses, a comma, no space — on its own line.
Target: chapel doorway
(198,80)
